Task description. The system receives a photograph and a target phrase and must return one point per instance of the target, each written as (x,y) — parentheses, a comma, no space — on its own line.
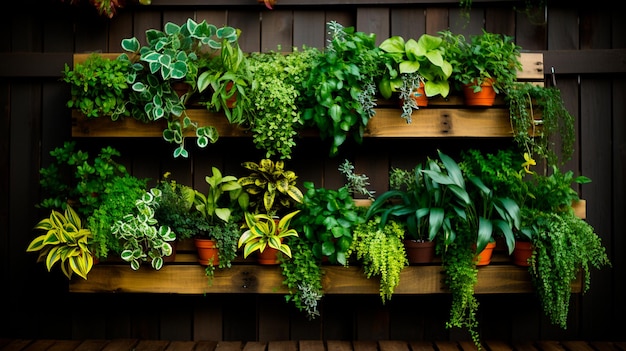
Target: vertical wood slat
(373,20)
(276,30)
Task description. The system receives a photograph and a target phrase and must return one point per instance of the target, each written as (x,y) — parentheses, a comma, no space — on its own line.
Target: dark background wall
(584,44)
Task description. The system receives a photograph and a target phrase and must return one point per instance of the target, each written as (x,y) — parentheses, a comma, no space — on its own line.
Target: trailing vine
(381,251)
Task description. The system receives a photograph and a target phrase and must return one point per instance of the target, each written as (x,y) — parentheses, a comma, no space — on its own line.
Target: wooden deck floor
(313,345)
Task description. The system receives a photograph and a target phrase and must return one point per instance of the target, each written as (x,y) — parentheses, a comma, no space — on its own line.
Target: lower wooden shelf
(252,278)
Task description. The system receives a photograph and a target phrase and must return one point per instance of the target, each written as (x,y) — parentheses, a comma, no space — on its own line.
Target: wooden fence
(585,47)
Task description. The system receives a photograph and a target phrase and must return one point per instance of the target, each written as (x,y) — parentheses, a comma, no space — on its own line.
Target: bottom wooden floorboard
(305,345)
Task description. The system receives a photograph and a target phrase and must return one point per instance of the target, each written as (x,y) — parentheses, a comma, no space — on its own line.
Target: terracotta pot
(419,251)
(419,96)
(231,101)
(207,251)
(522,252)
(485,97)
(484,257)
(269,256)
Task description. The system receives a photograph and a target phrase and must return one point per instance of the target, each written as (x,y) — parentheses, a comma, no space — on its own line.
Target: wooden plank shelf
(426,122)
(185,276)
(190,278)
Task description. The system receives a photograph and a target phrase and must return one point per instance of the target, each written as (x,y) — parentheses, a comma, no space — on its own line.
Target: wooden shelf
(252,278)
(426,122)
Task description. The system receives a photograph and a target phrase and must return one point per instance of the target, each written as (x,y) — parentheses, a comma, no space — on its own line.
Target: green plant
(98,87)
(222,203)
(413,62)
(143,239)
(65,241)
(356,183)
(327,218)
(426,199)
(481,57)
(275,91)
(342,85)
(564,246)
(271,188)
(302,277)
(176,208)
(76,177)
(264,231)
(538,115)
(381,251)
(117,200)
(177,55)
(460,276)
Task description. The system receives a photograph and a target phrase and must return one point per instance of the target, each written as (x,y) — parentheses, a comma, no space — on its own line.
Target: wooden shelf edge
(191,279)
(426,122)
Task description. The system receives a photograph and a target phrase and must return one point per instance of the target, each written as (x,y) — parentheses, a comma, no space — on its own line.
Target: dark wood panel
(277,31)
(373,20)
(308,29)
(408,22)
(311,2)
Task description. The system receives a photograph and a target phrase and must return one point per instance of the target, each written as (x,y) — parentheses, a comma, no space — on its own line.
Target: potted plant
(66,242)
(381,251)
(74,176)
(357,184)
(340,105)
(276,91)
(142,238)
(271,188)
(176,208)
(326,220)
(198,55)
(483,62)
(538,114)
(220,208)
(411,64)
(98,86)
(265,233)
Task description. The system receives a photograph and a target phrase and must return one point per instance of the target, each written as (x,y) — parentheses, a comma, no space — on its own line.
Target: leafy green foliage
(275,93)
(326,219)
(98,87)
(381,251)
(76,177)
(271,188)
(302,277)
(564,246)
(142,238)
(65,241)
(118,200)
(461,275)
(176,209)
(264,231)
(357,183)
(482,56)
(341,80)
(538,115)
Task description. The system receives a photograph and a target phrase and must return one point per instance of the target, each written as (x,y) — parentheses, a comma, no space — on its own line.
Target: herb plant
(98,87)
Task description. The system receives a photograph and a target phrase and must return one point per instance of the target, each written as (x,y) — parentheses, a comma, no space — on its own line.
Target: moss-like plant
(275,93)
(381,251)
